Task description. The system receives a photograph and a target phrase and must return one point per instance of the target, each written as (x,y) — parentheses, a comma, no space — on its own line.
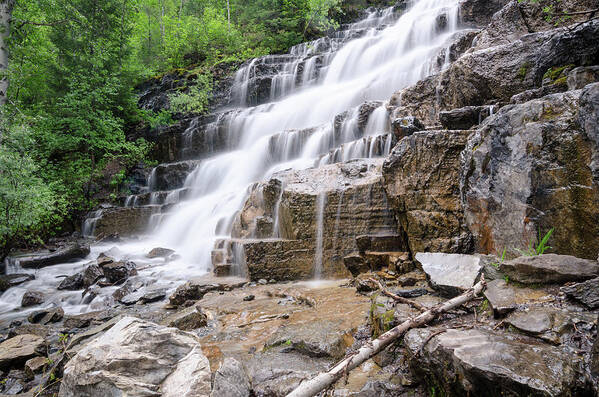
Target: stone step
(170,176)
(155,198)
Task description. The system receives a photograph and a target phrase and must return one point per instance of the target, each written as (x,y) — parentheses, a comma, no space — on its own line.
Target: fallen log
(398,298)
(322,381)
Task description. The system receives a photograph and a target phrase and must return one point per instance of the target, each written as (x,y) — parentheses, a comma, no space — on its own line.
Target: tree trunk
(6,7)
(326,379)
(229,15)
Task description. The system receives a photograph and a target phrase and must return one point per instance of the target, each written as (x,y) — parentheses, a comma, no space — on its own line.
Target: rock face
(230,380)
(15,351)
(549,268)
(536,166)
(300,219)
(62,255)
(478,362)
(138,358)
(122,221)
(421,178)
(450,273)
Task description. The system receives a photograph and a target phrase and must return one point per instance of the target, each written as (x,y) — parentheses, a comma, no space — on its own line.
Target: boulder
(14,352)
(356,264)
(187,319)
(32,329)
(63,255)
(532,167)
(36,365)
(83,279)
(586,293)
(193,290)
(12,280)
(421,179)
(549,269)
(118,272)
(451,274)
(160,253)
(171,176)
(230,380)
(479,362)
(86,319)
(46,316)
(580,77)
(32,298)
(505,297)
(537,93)
(153,295)
(138,358)
(479,12)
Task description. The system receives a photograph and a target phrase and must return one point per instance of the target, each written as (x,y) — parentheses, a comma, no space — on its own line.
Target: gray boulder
(230,380)
(580,77)
(15,351)
(63,255)
(549,269)
(450,273)
(11,280)
(32,298)
(138,358)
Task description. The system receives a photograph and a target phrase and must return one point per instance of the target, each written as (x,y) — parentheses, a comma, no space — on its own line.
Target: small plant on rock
(541,247)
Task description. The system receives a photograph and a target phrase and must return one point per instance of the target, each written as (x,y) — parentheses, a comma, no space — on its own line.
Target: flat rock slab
(481,363)
(548,323)
(550,269)
(504,297)
(138,358)
(15,351)
(12,280)
(187,319)
(586,293)
(450,273)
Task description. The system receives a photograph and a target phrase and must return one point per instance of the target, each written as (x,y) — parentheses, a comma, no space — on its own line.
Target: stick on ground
(322,381)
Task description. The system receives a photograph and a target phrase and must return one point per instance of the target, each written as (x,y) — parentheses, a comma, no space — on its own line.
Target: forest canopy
(68,72)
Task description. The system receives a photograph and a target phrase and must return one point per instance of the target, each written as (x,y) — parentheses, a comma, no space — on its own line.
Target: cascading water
(368,61)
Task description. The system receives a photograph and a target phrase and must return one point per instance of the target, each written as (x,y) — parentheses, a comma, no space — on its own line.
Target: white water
(266,138)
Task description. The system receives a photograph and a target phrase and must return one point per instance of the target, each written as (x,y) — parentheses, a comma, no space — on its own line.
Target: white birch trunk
(6,7)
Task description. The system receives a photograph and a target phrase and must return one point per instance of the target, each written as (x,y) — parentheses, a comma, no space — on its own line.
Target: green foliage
(27,203)
(540,247)
(550,10)
(557,73)
(195,100)
(497,264)
(523,71)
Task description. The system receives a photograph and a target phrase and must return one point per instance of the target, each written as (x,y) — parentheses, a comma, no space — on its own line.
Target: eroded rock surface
(136,357)
(550,268)
(450,273)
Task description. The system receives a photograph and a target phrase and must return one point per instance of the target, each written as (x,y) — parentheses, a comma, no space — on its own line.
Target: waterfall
(321,202)
(372,66)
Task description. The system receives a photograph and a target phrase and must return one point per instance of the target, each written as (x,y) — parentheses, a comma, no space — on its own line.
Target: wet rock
(16,351)
(464,118)
(160,253)
(30,329)
(548,323)
(46,316)
(479,12)
(351,199)
(171,176)
(595,355)
(451,274)
(129,287)
(187,319)
(579,77)
(89,294)
(153,295)
(35,366)
(505,297)
(125,221)
(322,338)
(421,178)
(136,357)
(132,298)
(32,298)
(103,259)
(86,319)
(537,93)
(586,293)
(118,272)
(63,255)
(550,268)
(510,178)
(356,264)
(410,293)
(249,298)
(230,380)
(479,362)
(83,279)
(12,280)
(193,290)
(15,383)
(406,126)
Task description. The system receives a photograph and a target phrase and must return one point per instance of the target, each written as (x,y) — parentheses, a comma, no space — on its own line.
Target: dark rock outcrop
(586,293)
(532,167)
(11,280)
(62,255)
(32,298)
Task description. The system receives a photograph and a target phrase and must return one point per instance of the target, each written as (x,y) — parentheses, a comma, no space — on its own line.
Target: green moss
(556,72)
(523,71)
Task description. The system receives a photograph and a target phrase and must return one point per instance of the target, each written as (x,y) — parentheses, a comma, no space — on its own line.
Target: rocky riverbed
(456,175)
